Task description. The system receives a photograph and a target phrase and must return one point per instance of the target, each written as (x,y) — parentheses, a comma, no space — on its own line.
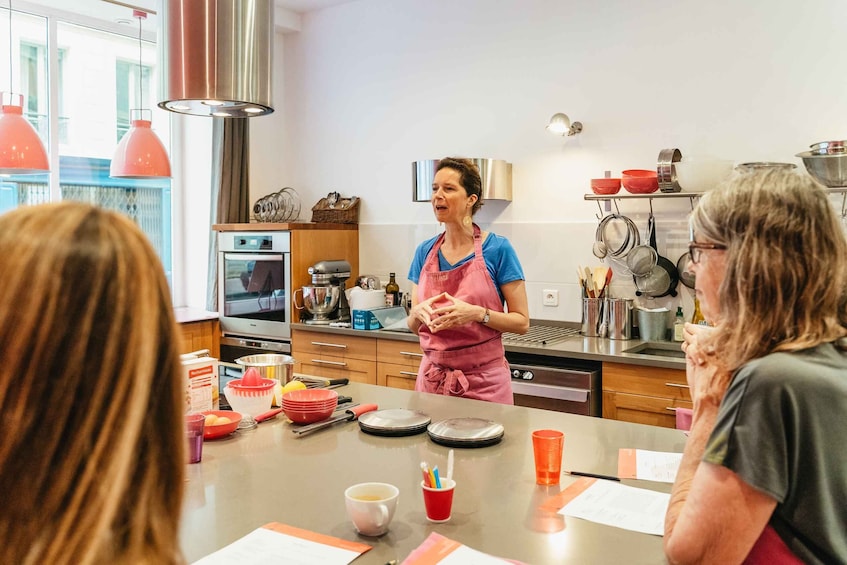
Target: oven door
(253,293)
(571,390)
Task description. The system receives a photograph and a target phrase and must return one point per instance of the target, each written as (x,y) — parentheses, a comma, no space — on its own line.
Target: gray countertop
(268,475)
(578,347)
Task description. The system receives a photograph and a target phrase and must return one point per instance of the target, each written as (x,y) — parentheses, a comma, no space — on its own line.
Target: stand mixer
(326,300)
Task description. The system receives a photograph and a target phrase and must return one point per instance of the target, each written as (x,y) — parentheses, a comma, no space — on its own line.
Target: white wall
(373,85)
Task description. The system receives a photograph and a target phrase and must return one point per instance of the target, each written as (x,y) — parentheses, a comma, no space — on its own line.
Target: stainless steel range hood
(218,57)
(496,179)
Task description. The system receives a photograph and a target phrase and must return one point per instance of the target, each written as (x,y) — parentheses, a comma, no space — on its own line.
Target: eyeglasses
(695,249)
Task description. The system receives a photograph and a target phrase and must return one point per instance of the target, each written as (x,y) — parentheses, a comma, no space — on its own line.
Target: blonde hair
(92,460)
(785,287)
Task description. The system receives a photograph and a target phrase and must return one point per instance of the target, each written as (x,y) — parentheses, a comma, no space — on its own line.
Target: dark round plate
(394,422)
(466,432)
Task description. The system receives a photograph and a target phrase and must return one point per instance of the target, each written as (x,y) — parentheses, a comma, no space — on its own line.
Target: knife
(267,415)
(348,415)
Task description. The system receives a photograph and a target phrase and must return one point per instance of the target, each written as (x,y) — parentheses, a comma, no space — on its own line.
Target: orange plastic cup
(547,446)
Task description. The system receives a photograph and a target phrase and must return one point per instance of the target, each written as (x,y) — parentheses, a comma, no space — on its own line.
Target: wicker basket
(344,211)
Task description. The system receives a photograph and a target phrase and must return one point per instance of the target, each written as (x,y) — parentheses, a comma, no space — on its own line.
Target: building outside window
(96,82)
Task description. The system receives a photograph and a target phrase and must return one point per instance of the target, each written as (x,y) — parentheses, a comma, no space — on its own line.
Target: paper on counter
(278,543)
(437,549)
(613,504)
(646,465)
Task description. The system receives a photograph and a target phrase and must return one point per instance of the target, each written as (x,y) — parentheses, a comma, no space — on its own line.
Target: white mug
(371,507)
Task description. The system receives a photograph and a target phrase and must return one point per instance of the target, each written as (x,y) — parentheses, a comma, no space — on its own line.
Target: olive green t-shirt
(782,427)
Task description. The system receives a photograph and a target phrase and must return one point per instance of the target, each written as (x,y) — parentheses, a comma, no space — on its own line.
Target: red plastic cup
(439,501)
(194,426)
(547,448)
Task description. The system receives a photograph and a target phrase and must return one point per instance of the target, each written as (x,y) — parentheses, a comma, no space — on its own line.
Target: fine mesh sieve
(642,259)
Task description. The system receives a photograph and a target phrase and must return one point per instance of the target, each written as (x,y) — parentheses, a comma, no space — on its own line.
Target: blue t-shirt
(499,255)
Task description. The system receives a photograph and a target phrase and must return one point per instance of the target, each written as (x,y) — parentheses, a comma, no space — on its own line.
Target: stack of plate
(394,422)
(465,432)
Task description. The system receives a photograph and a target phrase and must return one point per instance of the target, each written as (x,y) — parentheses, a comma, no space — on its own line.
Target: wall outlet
(550,297)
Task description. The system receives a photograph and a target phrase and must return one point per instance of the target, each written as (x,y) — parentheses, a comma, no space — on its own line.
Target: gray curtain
(230,188)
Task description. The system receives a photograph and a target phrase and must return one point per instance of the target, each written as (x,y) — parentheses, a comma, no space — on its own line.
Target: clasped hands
(444,311)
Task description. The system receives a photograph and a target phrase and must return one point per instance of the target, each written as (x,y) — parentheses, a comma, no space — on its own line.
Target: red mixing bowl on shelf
(640,181)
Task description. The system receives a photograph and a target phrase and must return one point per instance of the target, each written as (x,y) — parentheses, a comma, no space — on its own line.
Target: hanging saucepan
(662,279)
(686,277)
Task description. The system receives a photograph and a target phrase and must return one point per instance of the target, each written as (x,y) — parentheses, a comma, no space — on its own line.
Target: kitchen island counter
(269,475)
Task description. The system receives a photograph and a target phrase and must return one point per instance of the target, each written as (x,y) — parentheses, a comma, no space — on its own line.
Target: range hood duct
(496,179)
(218,57)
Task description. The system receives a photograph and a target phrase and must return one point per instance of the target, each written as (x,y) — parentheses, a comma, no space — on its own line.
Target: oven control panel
(523,374)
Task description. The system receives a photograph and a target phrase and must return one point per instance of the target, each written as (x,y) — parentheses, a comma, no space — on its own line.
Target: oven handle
(253,256)
(550,391)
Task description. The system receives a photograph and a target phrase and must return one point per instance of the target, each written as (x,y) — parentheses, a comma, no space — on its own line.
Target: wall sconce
(560,124)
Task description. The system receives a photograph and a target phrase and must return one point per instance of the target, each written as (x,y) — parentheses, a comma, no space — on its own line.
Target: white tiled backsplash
(549,253)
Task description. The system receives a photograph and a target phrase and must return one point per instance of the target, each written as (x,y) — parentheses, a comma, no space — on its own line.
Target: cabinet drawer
(318,344)
(405,353)
(642,409)
(396,375)
(649,381)
(339,368)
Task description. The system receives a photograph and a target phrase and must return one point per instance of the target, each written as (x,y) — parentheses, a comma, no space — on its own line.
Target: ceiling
(114,10)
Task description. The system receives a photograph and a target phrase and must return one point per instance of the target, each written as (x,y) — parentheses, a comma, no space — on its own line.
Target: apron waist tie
(449,382)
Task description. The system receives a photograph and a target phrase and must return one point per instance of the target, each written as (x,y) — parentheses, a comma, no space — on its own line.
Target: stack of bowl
(640,181)
(827,163)
(309,405)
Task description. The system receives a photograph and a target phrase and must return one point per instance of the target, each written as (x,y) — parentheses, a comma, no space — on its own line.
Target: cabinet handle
(412,354)
(322,362)
(323,344)
(671,408)
(408,373)
(677,385)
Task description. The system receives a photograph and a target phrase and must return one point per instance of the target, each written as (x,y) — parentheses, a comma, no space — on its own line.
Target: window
(97,86)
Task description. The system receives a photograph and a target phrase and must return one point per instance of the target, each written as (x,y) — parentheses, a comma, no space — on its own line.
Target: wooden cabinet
(334,355)
(202,334)
(644,395)
(397,363)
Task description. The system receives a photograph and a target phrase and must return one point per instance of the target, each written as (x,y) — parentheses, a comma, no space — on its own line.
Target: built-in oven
(541,380)
(254,289)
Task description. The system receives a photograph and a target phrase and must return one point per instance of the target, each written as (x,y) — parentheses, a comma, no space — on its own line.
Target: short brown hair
(468,177)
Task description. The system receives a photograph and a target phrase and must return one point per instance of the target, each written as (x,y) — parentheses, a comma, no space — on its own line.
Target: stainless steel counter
(269,475)
(578,347)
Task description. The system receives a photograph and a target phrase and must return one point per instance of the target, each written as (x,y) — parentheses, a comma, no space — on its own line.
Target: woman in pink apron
(457,308)
(763,479)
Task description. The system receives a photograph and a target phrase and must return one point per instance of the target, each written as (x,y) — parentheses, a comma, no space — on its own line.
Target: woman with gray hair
(763,477)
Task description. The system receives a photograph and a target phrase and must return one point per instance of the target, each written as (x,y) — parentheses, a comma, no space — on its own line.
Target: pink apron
(769,549)
(466,361)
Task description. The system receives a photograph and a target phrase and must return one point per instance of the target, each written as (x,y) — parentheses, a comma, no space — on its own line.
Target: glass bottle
(392,291)
(679,325)
(698,318)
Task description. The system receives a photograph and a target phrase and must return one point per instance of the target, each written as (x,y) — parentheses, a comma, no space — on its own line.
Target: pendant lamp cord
(140,90)
(11,74)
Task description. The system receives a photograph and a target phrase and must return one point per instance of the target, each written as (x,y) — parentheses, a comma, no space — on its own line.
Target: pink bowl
(640,181)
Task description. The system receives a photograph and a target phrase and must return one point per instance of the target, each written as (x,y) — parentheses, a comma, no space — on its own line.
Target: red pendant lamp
(21,150)
(140,153)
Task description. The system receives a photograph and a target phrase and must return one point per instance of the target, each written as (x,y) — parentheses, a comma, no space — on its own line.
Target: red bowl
(310,395)
(308,416)
(215,430)
(605,186)
(640,181)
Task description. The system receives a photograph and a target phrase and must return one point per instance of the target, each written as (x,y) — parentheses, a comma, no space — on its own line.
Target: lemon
(293,385)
